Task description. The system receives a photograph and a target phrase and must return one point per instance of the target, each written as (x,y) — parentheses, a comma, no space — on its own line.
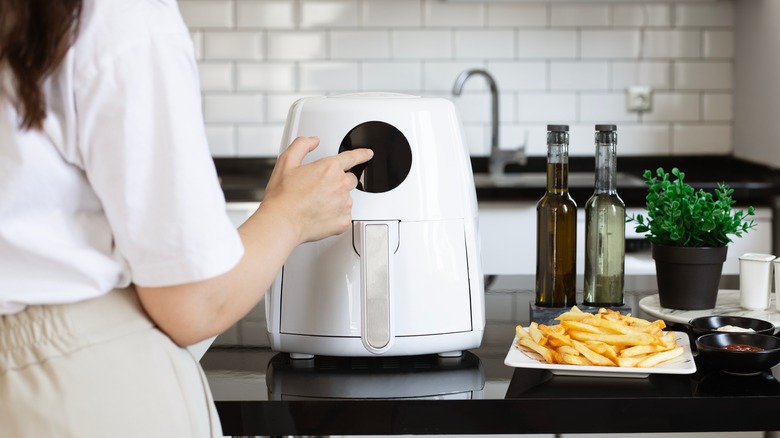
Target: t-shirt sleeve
(144,150)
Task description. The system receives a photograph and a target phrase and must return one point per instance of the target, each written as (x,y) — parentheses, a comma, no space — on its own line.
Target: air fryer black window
(392,156)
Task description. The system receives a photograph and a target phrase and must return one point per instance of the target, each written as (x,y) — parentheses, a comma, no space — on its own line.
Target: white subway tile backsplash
(259,141)
(235,108)
(475,107)
(207,13)
(512,15)
(278,105)
(672,44)
(477,138)
(436,13)
(581,142)
(718,44)
(507,107)
(392,76)
(704,75)
(396,13)
(605,108)
(702,139)
(296,45)
(512,136)
(719,13)
(645,15)
(266,14)
(656,74)
(480,44)
(230,45)
(537,138)
(718,107)
(571,15)
(441,75)
(519,76)
(422,44)
(546,44)
(547,108)
(609,44)
(674,107)
(644,139)
(579,75)
(215,76)
(329,76)
(359,44)
(267,76)
(221,140)
(567,62)
(329,13)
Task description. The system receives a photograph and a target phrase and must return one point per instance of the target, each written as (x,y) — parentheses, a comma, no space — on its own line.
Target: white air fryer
(406,278)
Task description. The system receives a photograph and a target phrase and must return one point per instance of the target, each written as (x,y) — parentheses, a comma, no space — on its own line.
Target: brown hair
(35,35)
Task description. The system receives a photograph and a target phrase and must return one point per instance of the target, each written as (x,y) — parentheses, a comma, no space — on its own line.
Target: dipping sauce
(735,329)
(742,347)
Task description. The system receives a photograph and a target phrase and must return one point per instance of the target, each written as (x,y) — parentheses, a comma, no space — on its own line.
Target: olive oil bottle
(605,228)
(556,227)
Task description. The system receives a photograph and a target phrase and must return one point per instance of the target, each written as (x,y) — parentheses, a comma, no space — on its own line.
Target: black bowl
(710,324)
(712,350)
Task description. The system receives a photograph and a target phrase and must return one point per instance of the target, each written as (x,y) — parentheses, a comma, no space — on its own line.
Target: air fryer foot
(457,353)
(302,356)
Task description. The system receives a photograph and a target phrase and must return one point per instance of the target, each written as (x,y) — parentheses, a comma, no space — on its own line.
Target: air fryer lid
(392,156)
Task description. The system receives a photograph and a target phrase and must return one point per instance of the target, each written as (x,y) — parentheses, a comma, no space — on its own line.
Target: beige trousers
(98,368)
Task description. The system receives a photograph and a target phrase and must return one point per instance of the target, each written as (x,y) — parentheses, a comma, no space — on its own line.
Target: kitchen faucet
(499,158)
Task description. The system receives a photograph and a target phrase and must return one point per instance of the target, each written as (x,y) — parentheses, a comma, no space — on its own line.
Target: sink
(539,179)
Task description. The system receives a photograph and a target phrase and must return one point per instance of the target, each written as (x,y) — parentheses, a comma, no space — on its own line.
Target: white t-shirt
(120,186)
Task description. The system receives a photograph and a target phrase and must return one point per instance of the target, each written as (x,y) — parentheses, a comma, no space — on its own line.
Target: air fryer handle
(375,242)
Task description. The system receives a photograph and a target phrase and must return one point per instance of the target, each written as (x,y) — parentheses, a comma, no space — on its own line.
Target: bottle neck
(606,162)
(557,162)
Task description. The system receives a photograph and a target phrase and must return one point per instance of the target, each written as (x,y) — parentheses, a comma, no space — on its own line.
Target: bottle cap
(558,128)
(606,128)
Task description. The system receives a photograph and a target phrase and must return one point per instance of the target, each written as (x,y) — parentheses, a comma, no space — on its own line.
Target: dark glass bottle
(605,228)
(556,227)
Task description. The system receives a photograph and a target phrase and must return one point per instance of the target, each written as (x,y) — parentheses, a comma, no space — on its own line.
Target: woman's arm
(302,203)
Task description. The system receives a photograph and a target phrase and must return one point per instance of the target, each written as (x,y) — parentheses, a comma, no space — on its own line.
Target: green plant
(679,215)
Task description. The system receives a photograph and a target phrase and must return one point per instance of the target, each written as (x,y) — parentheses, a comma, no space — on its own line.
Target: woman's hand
(302,203)
(315,197)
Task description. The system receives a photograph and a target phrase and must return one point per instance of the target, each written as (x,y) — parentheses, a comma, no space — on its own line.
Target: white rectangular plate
(521,357)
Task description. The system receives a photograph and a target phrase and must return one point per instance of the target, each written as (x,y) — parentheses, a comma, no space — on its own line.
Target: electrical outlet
(639,98)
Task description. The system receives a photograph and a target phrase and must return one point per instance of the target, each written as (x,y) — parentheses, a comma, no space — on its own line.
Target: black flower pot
(688,278)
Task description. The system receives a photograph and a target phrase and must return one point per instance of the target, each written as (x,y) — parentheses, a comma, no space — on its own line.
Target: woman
(115,248)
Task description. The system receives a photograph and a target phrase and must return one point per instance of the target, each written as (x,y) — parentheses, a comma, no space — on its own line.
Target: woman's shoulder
(110,27)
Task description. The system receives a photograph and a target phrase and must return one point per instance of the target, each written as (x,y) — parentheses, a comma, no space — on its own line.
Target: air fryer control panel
(392,156)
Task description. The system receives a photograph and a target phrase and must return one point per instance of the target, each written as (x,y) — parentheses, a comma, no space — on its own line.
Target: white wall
(758,82)
(554,63)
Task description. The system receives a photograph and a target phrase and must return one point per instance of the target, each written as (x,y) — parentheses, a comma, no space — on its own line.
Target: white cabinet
(508,240)
(240,211)
(756,84)
(508,237)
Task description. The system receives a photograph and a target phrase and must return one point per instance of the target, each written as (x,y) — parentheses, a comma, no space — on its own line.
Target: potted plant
(689,231)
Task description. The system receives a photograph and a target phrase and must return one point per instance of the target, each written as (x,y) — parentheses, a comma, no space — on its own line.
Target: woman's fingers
(350,159)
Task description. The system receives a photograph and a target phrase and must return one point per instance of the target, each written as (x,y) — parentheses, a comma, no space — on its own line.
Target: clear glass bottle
(556,227)
(605,228)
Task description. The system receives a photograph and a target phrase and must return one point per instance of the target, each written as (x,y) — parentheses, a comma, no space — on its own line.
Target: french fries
(606,338)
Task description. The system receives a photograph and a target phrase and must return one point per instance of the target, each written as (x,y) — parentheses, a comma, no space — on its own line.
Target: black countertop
(260,392)
(244,179)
